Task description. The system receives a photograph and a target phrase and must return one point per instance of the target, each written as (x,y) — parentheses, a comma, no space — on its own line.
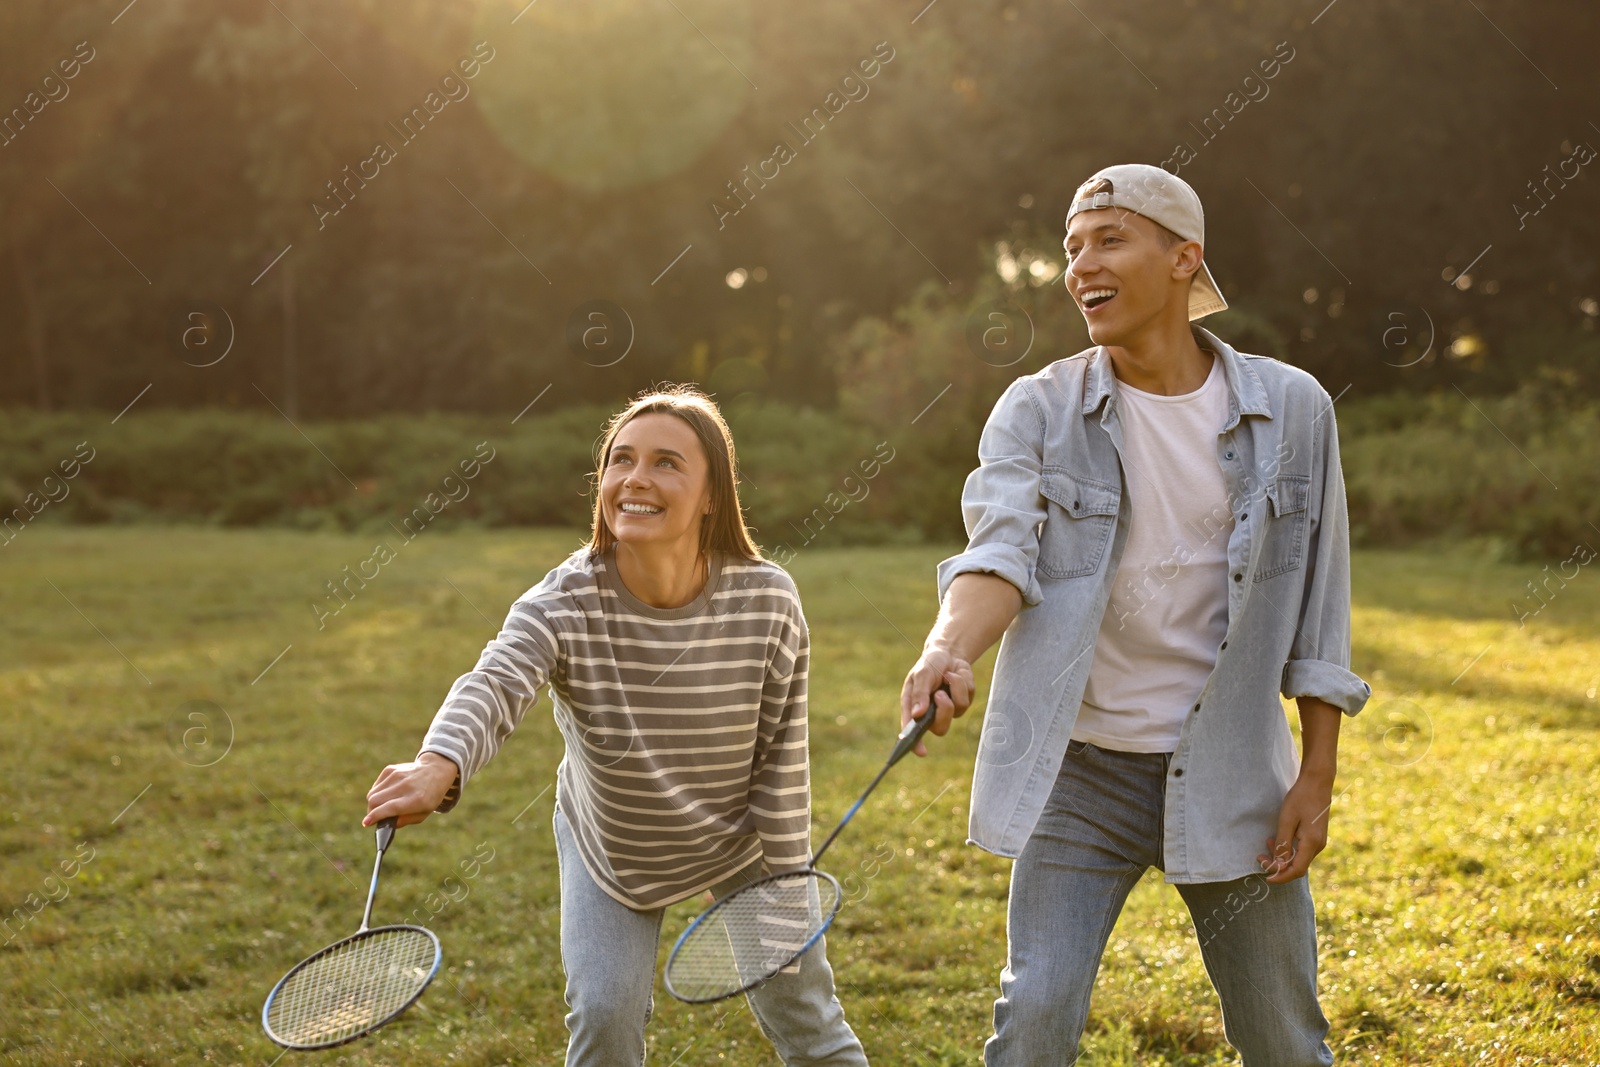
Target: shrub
(1516,467)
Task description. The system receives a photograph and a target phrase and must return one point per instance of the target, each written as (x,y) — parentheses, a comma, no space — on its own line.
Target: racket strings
(751,935)
(353,987)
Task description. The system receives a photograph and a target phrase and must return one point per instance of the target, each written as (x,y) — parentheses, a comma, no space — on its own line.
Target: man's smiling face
(1123,273)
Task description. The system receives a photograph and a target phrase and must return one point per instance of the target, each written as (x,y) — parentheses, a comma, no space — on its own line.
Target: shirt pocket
(1079,515)
(1284,539)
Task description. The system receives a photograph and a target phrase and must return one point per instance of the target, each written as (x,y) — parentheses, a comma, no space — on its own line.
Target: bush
(1516,468)
(233,469)
(805,471)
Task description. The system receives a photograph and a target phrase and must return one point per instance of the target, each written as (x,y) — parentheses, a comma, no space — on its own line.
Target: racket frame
(385,835)
(809,872)
(910,734)
(359,935)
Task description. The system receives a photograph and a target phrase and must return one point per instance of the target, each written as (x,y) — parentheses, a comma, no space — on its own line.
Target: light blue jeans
(609,953)
(1099,832)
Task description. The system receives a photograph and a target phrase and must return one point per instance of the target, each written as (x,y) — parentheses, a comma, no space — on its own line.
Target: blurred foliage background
(377,211)
(349,271)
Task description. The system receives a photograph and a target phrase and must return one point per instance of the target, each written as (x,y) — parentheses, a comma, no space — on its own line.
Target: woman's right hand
(410,791)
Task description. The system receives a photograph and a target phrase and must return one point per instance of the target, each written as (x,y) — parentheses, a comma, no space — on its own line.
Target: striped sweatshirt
(685,728)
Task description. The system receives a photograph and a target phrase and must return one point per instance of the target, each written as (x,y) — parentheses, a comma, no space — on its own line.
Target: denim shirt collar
(1246,394)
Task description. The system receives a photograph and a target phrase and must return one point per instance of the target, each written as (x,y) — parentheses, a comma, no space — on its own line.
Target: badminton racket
(759,929)
(353,986)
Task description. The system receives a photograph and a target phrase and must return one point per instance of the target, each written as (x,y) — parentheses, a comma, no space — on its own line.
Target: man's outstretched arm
(984,587)
(973,616)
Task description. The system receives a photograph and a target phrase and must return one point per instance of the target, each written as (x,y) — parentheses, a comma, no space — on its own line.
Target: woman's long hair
(723,530)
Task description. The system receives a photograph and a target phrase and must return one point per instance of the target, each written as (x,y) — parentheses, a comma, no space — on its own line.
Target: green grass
(1458,910)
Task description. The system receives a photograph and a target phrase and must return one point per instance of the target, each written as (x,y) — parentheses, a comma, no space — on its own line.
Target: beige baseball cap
(1161,197)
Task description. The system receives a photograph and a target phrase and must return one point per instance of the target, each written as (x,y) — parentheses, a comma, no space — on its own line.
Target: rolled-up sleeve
(1319,658)
(1000,504)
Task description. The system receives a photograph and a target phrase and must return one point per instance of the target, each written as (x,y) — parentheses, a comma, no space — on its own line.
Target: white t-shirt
(1168,611)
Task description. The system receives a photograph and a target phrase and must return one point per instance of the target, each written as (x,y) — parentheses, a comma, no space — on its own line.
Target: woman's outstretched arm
(482,708)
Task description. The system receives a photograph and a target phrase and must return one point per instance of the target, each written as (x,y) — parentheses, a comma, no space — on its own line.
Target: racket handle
(910,734)
(385,835)
(913,731)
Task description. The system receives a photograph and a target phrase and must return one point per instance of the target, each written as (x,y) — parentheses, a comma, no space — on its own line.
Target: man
(1158,528)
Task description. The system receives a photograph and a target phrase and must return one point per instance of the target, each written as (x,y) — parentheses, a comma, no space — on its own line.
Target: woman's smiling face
(656,487)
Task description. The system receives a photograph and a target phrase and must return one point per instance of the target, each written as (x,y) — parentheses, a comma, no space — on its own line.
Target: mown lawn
(1459,915)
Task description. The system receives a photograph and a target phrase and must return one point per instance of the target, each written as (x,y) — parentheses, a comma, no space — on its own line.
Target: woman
(676,658)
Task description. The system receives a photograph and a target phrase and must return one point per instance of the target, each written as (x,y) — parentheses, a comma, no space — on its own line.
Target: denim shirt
(1047,510)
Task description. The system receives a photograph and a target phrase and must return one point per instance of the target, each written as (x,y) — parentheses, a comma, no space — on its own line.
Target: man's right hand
(976,611)
(936,666)
(410,791)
